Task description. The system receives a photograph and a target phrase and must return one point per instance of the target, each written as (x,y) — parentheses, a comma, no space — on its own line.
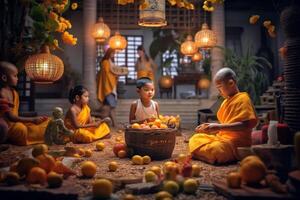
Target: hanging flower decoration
(208,5)
(283,52)
(253,19)
(48,20)
(144,4)
(267,24)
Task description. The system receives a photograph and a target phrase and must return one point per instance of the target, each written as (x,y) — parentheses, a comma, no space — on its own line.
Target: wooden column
(89,50)
(217,57)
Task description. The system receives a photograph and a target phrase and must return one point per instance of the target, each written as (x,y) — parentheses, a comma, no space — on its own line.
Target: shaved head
(7,67)
(225,74)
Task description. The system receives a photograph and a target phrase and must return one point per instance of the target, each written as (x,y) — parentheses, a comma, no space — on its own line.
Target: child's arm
(75,123)
(132,113)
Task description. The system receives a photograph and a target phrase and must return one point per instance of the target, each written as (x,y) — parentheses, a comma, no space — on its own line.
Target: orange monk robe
(20,133)
(221,148)
(86,135)
(145,73)
(107,81)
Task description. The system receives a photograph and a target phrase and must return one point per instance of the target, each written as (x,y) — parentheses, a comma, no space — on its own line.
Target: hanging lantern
(101,31)
(152,13)
(189,47)
(197,57)
(117,42)
(205,38)
(203,84)
(44,67)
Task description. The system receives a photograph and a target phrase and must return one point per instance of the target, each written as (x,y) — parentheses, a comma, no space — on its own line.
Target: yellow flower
(122,2)
(271,28)
(74,6)
(53,15)
(272,34)
(267,23)
(172,2)
(253,19)
(144,5)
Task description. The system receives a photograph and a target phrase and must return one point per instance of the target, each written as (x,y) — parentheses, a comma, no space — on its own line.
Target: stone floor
(128,171)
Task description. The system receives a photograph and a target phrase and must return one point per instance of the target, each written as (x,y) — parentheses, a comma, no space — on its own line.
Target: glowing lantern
(189,47)
(197,57)
(44,67)
(203,83)
(205,38)
(152,13)
(101,31)
(117,42)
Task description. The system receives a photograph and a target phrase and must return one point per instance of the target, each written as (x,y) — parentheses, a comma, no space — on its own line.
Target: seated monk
(78,118)
(217,143)
(21,130)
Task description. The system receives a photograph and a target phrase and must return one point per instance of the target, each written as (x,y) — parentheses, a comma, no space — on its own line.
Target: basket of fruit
(155,139)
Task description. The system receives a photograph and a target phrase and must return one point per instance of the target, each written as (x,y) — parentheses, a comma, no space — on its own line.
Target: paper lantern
(197,57)
(117,42)
(189,47)
(101,31)
(44,67)
(205,38)
(153,14)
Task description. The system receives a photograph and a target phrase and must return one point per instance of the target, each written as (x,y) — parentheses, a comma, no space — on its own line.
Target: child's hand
(40,119)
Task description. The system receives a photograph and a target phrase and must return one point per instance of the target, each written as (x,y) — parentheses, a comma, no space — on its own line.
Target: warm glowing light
(205,38)
(197,57)
(153,14)
(189,47)
(117,42)
(101,31)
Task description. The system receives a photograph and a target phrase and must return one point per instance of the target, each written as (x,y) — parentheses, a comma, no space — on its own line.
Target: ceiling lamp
(197,57)
(44,67)
(205,38)
(152,13)
(117,42)
(189,47)
(101,31)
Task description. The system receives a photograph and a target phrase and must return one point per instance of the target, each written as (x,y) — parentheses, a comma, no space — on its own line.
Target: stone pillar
(217,56)
(89,50)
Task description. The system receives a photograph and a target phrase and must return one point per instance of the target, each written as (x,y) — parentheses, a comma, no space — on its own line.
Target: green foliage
(250,70)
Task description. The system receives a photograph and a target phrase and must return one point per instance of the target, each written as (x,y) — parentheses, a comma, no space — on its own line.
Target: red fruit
(118,147)
(187,170)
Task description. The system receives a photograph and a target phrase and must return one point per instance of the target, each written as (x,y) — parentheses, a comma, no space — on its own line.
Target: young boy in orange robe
(21,130)
(216,143)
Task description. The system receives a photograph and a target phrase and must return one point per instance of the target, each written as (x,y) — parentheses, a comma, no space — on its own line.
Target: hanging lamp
(189,47)
(152,13)
(197,57)
(44,67)
(205,38)
(101,31)
(117,42)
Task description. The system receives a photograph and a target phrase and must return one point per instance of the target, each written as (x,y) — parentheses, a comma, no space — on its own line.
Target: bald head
(7,67)
(224,75)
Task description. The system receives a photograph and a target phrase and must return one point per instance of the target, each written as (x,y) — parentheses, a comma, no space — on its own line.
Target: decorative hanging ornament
(101,31)
(197,57)
(189,47)
(205,38)
(152,13)
(117,42)
(44,67)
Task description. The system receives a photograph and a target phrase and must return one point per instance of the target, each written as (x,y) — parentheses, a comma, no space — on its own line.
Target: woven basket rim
(168,130)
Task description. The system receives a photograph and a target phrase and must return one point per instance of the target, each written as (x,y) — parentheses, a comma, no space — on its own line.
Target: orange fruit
(102,188)
(24,165)
(100,146)
(113,166)
(47,162)
(234,180)
(196,170)
(156,170)
(122,154)
(146,160)
(157,122)
(128,197)
(190,186)
(37,175)
(150,176)
(154,126)
(163,195)
(163,126)
(39,149)
(171,186)
(137,160)
(136,125)
(88,169)
(88,153)
(54,180)
(253,171)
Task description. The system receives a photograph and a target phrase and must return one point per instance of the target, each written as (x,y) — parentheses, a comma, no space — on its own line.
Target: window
(172,70)
(127,57)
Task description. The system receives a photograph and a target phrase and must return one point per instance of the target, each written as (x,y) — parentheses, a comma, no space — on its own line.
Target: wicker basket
(157,143)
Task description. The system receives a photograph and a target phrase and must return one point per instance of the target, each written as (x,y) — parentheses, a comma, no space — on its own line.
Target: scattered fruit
(136,126)
(88,169)
(102,188)
(252,170)
(150,176)
(234,180)
(156,170)
(190,186)
(146,159)
(37,175)
(118,147)
(88,153)
(137,160)
(113,166)
(163,195)
(122,154)
(11,178)
(171,186)
(47,162)
(39,149)
(196,170)
(24,165)
(128,197)
(100,146)
(181,158)
(54,180)
(81,152)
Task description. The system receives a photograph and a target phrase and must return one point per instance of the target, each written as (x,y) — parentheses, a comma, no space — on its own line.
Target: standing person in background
(145,66)
(107,84)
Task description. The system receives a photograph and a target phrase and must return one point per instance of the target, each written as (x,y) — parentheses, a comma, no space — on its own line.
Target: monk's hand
(213,127)
(201,128)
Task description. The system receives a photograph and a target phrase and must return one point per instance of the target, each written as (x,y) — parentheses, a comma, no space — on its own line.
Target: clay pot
(165,82)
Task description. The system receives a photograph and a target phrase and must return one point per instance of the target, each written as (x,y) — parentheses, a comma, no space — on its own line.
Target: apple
(118,147)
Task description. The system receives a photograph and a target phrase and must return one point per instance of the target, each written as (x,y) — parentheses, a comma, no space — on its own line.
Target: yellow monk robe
(20,133)
(87,135)
(107,81)
(221,148)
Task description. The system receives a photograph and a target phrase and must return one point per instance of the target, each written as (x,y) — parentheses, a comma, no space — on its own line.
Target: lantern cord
(118,16)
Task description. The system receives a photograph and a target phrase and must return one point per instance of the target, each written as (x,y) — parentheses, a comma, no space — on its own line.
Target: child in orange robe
(78,118)
(21,130)
(216,143)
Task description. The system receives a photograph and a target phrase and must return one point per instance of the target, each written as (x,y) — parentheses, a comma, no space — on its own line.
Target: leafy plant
(250,70)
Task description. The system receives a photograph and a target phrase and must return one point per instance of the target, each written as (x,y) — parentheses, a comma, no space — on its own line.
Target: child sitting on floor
(78,118)
(21,130)
(144,109)
(216,143)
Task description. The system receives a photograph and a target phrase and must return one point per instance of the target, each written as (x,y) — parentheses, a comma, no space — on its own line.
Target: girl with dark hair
(78,118)
(145,66)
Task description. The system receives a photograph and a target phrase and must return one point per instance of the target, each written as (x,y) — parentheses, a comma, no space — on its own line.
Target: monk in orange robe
(78,118)
(21,130)
(107,84)
(216,143)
